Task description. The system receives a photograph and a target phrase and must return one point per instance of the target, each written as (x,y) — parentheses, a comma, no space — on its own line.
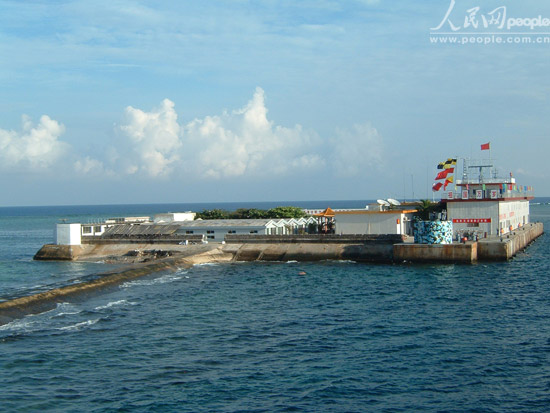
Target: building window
(210,236)
(97,229)
(210,232)
(86,230)
(254,231)
(231,231)
(473,225)
(188,232)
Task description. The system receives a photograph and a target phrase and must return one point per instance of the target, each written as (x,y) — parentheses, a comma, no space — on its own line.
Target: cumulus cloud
(155,137)
(246,142)
(35,147)
(242,143)
(89,166)
(357,150)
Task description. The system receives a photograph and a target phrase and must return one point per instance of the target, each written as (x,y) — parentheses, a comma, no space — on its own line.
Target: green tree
(249,213)
(425,207)
(286,212)
(212,214)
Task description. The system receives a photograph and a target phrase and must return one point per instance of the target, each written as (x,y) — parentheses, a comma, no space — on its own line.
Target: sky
(126,101)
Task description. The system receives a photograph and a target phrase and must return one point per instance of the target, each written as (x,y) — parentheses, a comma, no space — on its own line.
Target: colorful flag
(449,163)
(486,146)
(443,174)
(437,186)
(448,181)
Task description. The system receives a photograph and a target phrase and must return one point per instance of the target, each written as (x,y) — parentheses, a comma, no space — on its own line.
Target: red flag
(437,186)
(486,146)
(443,174)
(447,182)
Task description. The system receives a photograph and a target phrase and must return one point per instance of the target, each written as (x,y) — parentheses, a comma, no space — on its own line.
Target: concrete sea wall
(311,252)
(505,247)
(451,253)
(46,301)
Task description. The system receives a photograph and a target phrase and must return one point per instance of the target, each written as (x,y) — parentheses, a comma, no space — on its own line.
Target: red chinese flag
(486,146)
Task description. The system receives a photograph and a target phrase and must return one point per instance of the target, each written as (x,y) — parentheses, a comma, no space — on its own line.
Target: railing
(487,194)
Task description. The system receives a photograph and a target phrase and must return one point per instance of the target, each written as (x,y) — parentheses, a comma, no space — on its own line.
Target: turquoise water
(261,337)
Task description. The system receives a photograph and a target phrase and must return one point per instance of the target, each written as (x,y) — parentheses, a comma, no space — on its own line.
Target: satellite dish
(394,202)
(382,202)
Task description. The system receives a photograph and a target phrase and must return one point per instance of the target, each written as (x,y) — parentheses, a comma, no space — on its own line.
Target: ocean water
(259,337)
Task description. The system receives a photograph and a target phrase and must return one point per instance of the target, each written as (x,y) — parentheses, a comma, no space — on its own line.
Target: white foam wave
(115,304)
(23,325)
(161,280)
(206,264)
(80,325)
(292,262)
(66,309)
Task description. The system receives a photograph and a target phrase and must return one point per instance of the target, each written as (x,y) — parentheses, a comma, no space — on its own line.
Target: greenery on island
(427,207)
(253,213)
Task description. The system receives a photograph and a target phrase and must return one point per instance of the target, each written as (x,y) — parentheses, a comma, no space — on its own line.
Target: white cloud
(155,137)
(242,143)
(35,147)
(246,142)
(358,150)
(89,166)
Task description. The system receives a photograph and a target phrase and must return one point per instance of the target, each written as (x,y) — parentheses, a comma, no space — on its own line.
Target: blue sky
(185,101)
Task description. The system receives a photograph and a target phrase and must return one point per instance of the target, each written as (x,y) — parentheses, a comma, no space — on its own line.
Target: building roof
(203,223)
(370,212)
(329,212)
(140,230)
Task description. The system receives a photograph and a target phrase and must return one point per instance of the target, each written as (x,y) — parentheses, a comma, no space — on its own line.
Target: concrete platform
(505,247)
(488,249)
(449,253)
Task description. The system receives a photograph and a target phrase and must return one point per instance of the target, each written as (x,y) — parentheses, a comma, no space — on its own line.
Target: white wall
(174,217)
(473,210)
(503,214)
(217,234)
(369,223)
(67,234)
(513,214)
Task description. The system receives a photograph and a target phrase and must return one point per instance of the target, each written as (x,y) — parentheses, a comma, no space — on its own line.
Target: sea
(263,337)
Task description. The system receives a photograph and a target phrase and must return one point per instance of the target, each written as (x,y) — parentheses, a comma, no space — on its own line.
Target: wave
(115,304)
(65,310)
(80,325)
(168,278)
(22,325)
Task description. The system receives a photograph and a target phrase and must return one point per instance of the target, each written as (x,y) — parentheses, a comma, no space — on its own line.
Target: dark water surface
(261,337)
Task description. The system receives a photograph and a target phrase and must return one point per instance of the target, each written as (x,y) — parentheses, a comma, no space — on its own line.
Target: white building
(216,229)
(67,234)
(96,229)
(368,221)
(171,217)
(487,205)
